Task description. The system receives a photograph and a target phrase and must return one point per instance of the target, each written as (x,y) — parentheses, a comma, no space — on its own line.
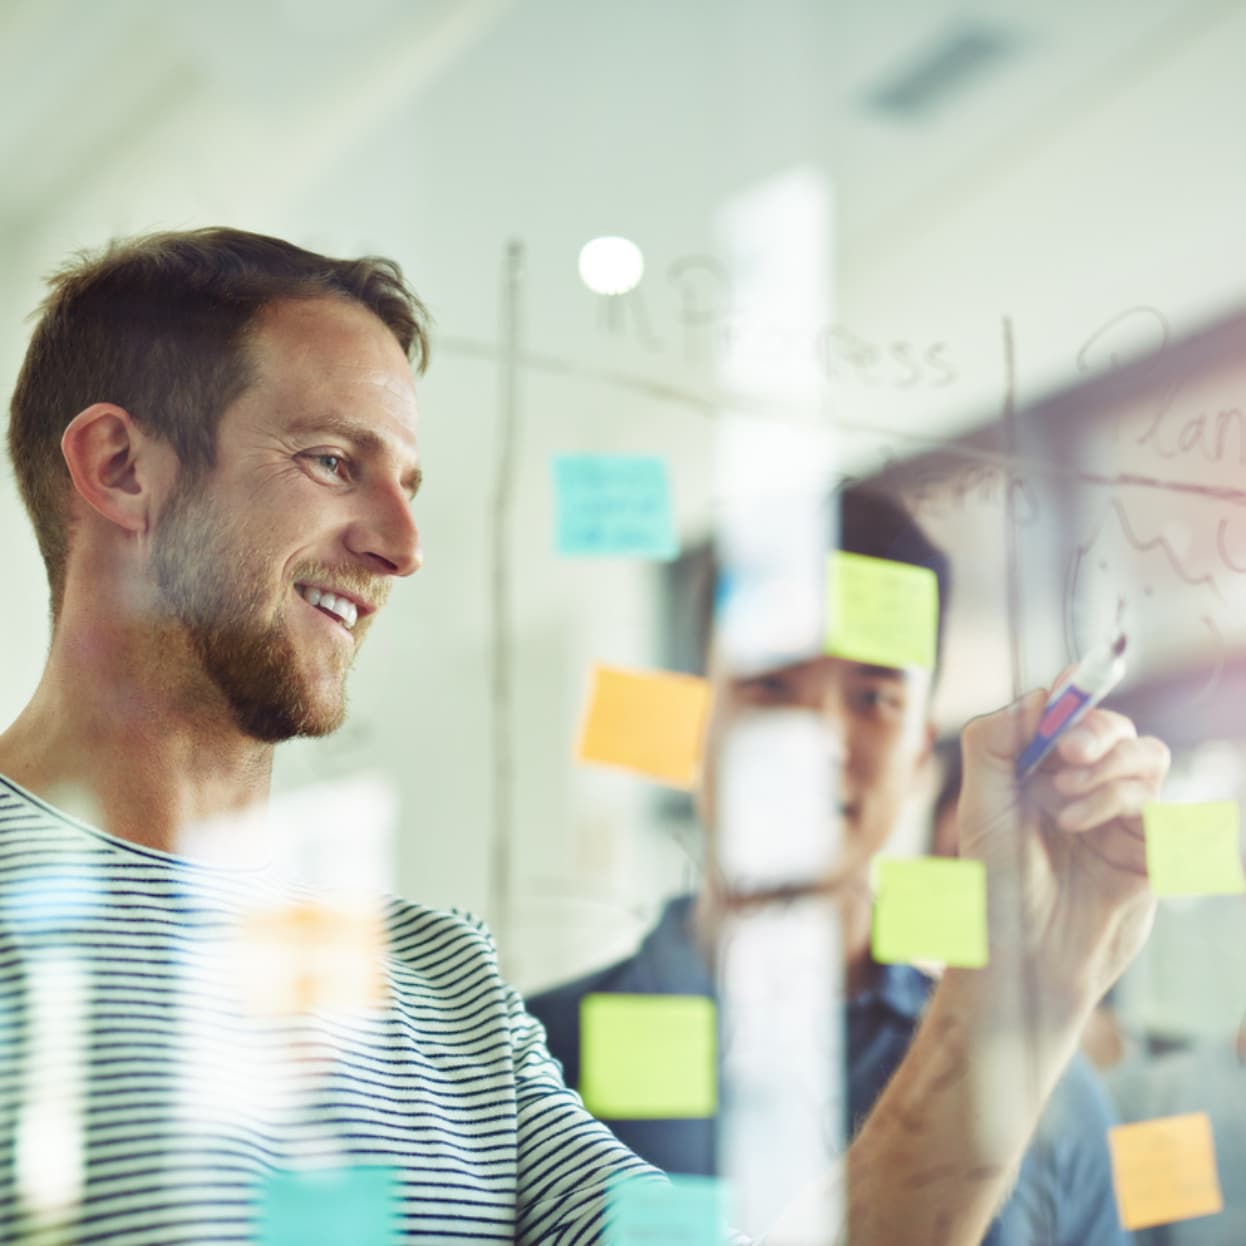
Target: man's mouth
(336,605)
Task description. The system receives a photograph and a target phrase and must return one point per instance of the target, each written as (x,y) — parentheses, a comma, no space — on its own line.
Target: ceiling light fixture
(611,265)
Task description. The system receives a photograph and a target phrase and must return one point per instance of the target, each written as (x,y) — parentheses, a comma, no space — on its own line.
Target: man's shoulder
(1079,1095)
(427,938)
(1072,1132)
(563,1000)
(558,1010)
(1068,1161)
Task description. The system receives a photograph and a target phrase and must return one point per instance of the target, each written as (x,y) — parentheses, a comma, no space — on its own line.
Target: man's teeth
(342,607)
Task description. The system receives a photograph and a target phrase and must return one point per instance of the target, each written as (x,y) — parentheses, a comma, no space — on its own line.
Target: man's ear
(117,469)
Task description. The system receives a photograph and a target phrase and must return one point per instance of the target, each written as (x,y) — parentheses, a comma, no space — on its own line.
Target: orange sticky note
(303,957)
(652,722)
(1165,1170)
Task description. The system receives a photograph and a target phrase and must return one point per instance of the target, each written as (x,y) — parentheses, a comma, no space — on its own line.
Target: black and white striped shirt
(186,1105)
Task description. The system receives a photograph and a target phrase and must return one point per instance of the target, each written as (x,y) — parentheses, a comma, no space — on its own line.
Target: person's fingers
(996,740)
(1112,801)
(1124,850)
(1093,737)
(1131,755)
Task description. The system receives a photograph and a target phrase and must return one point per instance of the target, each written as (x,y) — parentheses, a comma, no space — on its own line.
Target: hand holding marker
(1086,685)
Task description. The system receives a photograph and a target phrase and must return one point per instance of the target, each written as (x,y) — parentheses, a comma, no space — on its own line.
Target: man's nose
(833,713)
(387,537)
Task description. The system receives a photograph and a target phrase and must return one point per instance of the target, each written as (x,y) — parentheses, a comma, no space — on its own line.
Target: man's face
(311,494)
(878,735)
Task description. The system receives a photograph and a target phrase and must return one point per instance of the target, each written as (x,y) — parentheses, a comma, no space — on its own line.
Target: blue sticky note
(681,1211)
(329,1207)
(614,504)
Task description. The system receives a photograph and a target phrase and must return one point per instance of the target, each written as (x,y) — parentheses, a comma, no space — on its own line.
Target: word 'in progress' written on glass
(1192,849)
(648,1057)
(930,909)
(881,612)
(690,1211)
(329,1206)
(614,504)
(1165,1170)
(650,722)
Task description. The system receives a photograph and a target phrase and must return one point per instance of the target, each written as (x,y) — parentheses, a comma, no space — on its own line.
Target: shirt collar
(902,988)
(669,955)
(669,960)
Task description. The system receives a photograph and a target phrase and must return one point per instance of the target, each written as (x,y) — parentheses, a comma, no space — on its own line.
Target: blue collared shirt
(1063,1195)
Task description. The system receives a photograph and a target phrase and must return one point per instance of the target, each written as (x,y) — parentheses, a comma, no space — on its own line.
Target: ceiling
(553,120)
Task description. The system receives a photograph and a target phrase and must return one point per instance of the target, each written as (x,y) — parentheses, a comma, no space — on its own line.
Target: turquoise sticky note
(881,612)
(614,504)
(1192,849)
(930,909)
(681,1211)
(329,1207)
(645,1057)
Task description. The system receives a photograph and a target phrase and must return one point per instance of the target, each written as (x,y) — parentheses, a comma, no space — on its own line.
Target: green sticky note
(648,1056)
(681,1211)
(329,1207)
(881,612)
(930,908)
(1192,850)
(614,504)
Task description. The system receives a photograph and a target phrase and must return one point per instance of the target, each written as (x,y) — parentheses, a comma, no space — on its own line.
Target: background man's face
(878,735)
(316,464)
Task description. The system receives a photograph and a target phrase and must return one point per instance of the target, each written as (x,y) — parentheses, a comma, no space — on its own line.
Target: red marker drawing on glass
(1086,685)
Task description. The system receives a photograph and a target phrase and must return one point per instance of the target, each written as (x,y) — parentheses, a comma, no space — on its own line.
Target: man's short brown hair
(159,325)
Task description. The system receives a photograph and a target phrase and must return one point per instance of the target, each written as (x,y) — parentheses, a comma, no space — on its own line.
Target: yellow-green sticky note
(1192,850)
(930,908)
(648,1057)
(680,1211)
(651,722)
(881,612)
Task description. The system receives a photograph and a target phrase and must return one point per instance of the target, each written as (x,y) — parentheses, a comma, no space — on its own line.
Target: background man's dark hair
(869,522)
(159,325)
(874,523)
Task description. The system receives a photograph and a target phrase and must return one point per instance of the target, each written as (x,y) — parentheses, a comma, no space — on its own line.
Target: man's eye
(767,688)
(878,698)
(332,463)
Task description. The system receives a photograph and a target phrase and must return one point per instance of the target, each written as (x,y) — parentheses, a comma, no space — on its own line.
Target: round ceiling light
(611,265)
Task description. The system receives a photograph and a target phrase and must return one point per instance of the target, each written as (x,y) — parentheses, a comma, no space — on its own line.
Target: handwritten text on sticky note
(881,612)
(652,722)
(930,908)
(1192,849)
(687,1211)
(614,504)
(648,1056)
(1164,1170)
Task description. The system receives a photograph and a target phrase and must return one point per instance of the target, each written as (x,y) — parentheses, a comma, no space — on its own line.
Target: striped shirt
(137,1089)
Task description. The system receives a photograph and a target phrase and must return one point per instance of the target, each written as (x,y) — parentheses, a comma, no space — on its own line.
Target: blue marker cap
(1086,685)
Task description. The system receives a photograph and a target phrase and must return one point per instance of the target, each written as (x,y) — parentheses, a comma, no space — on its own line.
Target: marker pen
(1088,683)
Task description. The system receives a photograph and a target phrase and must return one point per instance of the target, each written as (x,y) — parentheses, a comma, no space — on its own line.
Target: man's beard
(213,583)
